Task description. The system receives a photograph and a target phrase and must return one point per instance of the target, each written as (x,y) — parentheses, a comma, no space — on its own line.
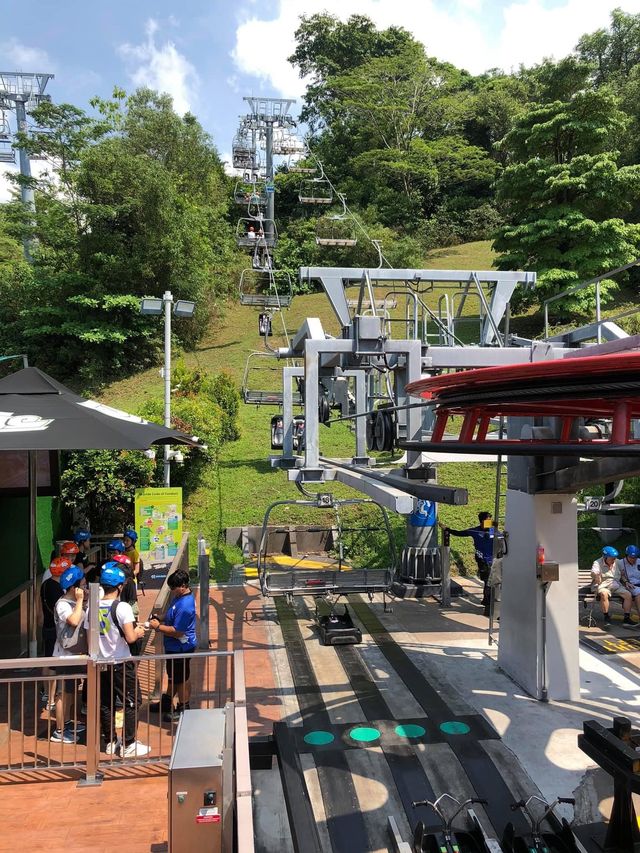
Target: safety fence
(111,711)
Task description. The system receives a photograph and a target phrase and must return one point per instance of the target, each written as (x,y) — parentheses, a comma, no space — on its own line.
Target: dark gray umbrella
(39,413)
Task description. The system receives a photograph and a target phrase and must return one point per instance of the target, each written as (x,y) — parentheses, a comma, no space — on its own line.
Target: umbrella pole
(33,534)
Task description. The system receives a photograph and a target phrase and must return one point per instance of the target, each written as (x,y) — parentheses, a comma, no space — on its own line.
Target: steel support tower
(267,114)
(19,93)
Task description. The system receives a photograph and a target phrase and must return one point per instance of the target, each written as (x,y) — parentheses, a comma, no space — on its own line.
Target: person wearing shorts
(178,629)
(606,580)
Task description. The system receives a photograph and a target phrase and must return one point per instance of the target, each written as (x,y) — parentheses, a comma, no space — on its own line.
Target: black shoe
(627,619)
(174,715)
(607,619)
(164,704)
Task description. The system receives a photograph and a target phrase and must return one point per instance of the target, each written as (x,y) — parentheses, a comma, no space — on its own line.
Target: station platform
(420,704)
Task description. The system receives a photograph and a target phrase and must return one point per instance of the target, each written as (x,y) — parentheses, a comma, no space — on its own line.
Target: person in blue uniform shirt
(483,540)
(178,629)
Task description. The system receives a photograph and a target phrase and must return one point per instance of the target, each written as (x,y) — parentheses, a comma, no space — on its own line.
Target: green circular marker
(364,734)
(318,738)
(410,730)
(453,727)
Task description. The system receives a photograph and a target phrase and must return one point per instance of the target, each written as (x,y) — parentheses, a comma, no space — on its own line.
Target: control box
(200,782)
(548,572)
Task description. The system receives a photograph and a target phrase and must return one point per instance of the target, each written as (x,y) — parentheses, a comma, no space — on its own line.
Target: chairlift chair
(315,191)
(335,570)
(265,288)
(7,152)
(243,152)
(263,369)
(337,230)
(263,230)
(297,166)
(250,193)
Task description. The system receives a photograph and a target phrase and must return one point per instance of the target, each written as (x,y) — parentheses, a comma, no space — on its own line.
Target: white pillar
(550,521)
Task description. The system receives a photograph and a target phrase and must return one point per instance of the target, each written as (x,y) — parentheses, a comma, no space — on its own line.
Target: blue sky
(208,53)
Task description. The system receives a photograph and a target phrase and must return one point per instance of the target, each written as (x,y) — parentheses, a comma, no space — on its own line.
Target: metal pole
(167,300)
(269,176)
(26,192)
(33,552)
(203,576)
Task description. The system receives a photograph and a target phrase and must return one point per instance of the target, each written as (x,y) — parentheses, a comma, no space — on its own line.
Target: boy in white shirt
(118,683)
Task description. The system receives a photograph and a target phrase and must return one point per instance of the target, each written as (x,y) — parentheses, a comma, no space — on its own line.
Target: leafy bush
(101,484)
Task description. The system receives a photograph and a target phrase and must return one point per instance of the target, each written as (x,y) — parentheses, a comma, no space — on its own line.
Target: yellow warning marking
(250,572)
(285,561)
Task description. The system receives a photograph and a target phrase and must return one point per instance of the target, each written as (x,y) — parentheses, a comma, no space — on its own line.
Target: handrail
(14,593)
(575,288)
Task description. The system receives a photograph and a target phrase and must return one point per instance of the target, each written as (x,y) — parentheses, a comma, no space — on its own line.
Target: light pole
(181,308)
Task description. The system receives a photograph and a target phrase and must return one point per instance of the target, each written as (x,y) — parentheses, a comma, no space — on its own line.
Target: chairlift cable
(352,215)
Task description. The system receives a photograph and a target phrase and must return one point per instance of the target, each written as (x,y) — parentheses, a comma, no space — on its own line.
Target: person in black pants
(483,539)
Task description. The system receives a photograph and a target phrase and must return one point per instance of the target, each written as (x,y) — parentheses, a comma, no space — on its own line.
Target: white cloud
(162,67)
(522,32)
(22,57)
(7,187)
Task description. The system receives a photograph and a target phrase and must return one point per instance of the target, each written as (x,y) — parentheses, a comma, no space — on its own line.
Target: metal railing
(105,697)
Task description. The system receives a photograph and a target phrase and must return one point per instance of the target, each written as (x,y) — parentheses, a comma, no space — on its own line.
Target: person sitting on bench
(630,576)
(606,581)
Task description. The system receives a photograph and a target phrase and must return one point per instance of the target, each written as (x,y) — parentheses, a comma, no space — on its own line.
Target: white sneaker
(114,748)
(136,750)
(62,737)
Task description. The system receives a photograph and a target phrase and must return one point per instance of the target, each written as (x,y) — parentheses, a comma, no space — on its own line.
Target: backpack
(73,640)
(137,646)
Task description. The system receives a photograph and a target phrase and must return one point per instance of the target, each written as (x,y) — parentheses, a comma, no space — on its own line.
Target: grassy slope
(238,491)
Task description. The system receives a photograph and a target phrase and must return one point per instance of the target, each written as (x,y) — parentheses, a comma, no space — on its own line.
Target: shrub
(101,484)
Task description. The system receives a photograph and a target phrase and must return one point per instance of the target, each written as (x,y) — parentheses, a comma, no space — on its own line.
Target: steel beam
(389,480)
(589,473)
(472,356)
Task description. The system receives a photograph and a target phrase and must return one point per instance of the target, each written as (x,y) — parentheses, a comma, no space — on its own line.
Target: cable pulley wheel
(384,431)
(371,439)
(324,410)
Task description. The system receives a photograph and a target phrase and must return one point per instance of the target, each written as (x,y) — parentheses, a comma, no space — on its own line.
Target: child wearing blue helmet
(606,580)
(68,616)
(118,684)
(130,538)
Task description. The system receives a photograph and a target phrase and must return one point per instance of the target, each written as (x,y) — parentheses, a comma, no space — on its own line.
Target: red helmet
(69,549)
(59,565)
(122,559)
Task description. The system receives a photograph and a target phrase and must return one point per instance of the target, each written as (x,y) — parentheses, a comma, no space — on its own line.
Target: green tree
(327,46)
(615,51)
(565,197)
(143,208)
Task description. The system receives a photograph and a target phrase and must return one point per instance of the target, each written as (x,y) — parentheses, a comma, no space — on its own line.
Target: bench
(587,598)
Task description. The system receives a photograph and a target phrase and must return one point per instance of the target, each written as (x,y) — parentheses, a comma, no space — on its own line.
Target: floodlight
(184,308)
(151,305)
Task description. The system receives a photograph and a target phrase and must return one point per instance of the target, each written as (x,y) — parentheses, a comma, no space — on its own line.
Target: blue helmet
(111,574)
(131,534)
(116,545)
(70,577)
(81,536)
(609,551)
(632,551)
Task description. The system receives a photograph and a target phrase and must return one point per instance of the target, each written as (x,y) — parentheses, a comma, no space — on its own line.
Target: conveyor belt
(484,776)
(344,819)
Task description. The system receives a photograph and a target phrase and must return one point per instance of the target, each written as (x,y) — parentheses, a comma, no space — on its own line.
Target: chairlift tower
(267,114)
(19,93)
